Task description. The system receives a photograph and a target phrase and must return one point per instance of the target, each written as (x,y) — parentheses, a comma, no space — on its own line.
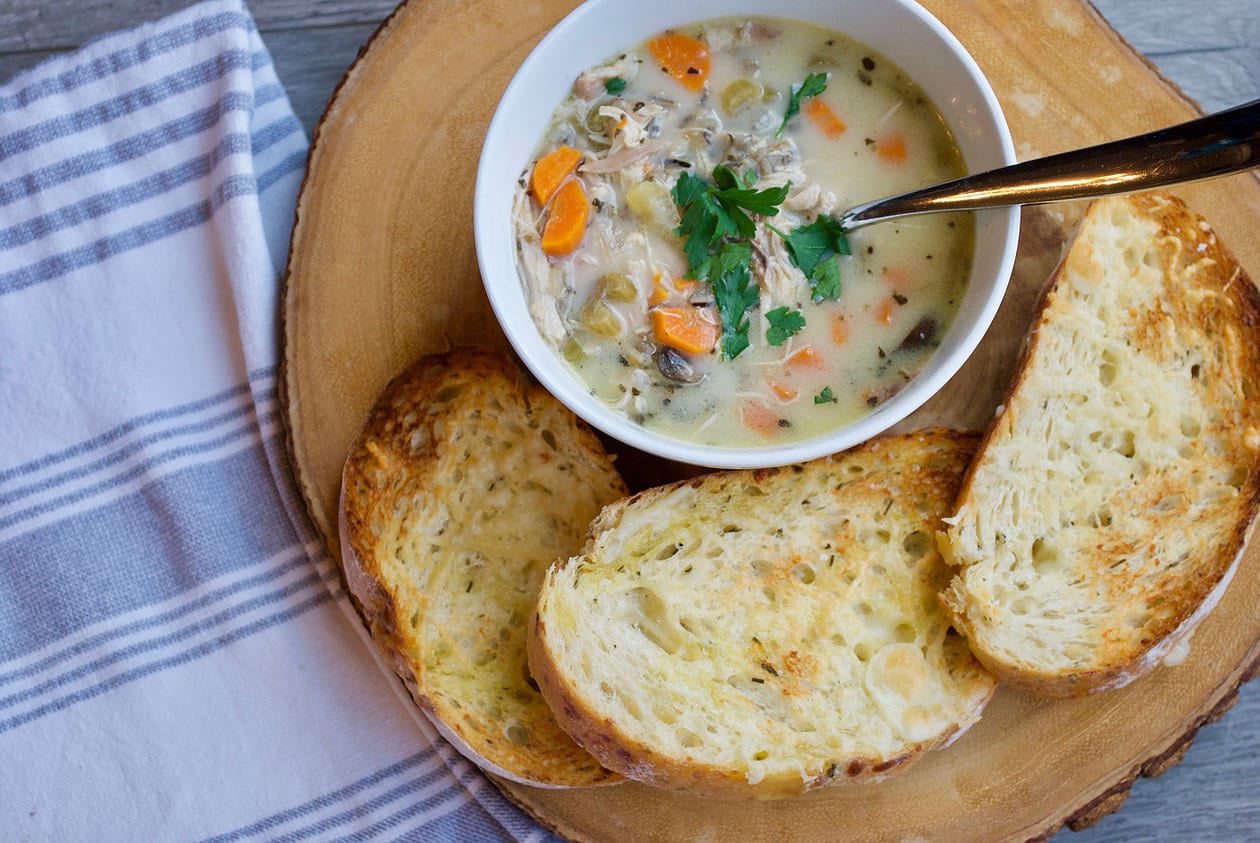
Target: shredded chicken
(780,280)
(754,31)
(543,297)
(810,201)
(590,84)
(602,192)
(701,127)
(623,158)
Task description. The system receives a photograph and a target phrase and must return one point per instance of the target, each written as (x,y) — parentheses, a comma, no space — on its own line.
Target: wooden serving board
(382,269)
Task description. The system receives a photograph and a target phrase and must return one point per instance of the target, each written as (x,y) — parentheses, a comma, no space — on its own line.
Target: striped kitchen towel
(178,659)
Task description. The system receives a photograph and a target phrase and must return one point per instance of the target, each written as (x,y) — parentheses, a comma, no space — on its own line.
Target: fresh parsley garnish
(814,84)
(813,248)
(783,324)
(720,209)
(825,282)
(735,294)
(717,225)
(615,85)
(826,396)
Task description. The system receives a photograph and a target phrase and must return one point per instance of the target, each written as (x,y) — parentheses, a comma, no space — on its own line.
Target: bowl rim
(547,365)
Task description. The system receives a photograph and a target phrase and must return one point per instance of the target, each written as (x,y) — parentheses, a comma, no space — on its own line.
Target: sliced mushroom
(676,367)
(921,335)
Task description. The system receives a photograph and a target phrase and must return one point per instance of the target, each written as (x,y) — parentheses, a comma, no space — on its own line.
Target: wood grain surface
(1213,55)
(1065,79)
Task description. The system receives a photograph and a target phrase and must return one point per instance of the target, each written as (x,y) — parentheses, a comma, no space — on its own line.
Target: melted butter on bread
(1108,506)
(763,633)
(466,482)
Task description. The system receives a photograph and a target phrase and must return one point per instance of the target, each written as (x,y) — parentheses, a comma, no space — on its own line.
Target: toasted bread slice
(763,633)
(464,485)
(1107,508)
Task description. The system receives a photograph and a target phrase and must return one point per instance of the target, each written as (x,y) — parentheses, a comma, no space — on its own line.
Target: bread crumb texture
(464,485)
(1111,501)
(762,633)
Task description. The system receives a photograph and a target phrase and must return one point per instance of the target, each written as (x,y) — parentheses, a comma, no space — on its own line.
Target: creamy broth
(608,304)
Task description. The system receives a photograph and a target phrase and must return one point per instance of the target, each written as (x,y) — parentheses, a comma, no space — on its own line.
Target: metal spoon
(1216,145)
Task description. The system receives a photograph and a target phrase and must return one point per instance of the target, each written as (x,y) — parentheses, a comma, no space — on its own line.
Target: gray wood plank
(310,63)
(1212,795)
(1212,52)
(1211,48)
(37,25)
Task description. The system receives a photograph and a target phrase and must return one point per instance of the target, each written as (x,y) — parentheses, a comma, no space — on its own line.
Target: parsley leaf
(814,84)
(689,188)
(717,225)
(732,255)
(735,294)
(825,282)
(816,242)
(718,210)
(615,85)
(826,396)
(783,324)
(813,248)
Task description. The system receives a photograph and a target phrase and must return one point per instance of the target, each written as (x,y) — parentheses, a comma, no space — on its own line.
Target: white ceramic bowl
(598,30)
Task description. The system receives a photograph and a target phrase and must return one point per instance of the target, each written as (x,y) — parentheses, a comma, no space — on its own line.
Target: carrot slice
(566,224)
(891,148)
(807,358)
(824,118)
(898,276)
(678,289)
(760,418)
(685,329)
(551,170)
(785,392)
(840,330)
(884,313)
(682,57)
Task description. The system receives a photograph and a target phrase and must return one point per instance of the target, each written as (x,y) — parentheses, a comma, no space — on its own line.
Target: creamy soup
(676,242)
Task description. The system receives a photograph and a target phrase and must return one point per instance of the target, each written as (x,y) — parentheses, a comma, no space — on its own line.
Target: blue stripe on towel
(136,470)
(230,188)
(127,57)
(131,449)
(160,665)
(473,822)
(107,663)
(31,137)
(291,163)
(287,563)
(177,532)
(455,793)
(133,147)
(113,434)
(361,810)
(343,794)
(156,184)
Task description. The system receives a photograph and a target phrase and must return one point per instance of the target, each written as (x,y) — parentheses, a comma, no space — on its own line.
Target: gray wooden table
(1211,48)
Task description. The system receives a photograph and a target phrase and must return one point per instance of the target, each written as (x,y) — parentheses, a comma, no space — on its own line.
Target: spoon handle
(1216,145)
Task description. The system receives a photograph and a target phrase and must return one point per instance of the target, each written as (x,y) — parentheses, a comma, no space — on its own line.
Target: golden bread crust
(1136,398)
(732,650)
(465,482)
